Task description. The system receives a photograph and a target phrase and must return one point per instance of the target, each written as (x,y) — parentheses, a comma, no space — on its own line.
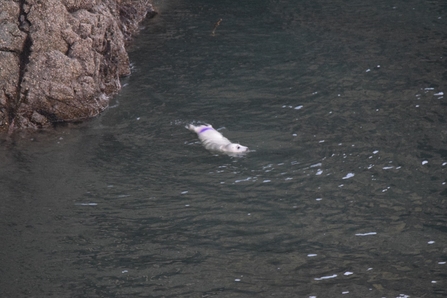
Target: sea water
(344,193)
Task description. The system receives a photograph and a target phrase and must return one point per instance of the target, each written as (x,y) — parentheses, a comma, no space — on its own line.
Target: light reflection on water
(344,194)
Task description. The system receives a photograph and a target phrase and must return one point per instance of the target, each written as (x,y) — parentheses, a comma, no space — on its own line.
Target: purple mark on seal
(205,129)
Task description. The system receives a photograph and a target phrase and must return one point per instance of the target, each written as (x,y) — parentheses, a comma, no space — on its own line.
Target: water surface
(344,194)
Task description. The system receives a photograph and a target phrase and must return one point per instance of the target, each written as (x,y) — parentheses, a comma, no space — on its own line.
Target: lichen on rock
(60,60)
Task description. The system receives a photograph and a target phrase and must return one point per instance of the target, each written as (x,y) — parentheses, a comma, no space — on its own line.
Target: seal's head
(235,148)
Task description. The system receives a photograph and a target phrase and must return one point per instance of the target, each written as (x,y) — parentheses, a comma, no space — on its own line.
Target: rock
(12,41)
(61,59)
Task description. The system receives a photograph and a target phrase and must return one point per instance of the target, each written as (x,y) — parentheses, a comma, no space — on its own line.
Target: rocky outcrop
(61,59)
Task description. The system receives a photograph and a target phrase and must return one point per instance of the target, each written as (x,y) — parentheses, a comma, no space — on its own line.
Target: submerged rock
(61,59)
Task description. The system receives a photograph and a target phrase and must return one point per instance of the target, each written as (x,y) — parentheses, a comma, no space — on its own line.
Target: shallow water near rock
(344,195)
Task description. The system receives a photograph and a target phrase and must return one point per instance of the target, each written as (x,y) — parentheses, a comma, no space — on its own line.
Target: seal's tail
(191,127)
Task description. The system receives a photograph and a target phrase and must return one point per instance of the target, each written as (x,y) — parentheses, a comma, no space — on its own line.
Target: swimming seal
(214,141)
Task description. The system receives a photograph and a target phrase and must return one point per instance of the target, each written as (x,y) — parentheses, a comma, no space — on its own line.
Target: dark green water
(344,196)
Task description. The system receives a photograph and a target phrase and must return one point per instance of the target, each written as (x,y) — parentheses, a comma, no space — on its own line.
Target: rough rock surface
(60,59)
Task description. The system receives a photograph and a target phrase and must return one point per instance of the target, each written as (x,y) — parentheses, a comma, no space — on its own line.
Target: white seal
(214,141)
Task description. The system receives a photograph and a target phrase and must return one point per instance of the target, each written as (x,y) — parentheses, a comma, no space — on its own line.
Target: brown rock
(60,60)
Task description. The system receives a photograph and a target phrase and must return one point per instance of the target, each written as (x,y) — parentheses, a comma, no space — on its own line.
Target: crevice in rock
(26,51)
(23,60)
(7,50)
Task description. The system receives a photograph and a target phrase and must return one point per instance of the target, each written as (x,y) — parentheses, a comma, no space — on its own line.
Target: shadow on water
(344,195)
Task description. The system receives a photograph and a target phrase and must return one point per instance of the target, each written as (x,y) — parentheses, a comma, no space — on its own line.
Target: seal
(214,141)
